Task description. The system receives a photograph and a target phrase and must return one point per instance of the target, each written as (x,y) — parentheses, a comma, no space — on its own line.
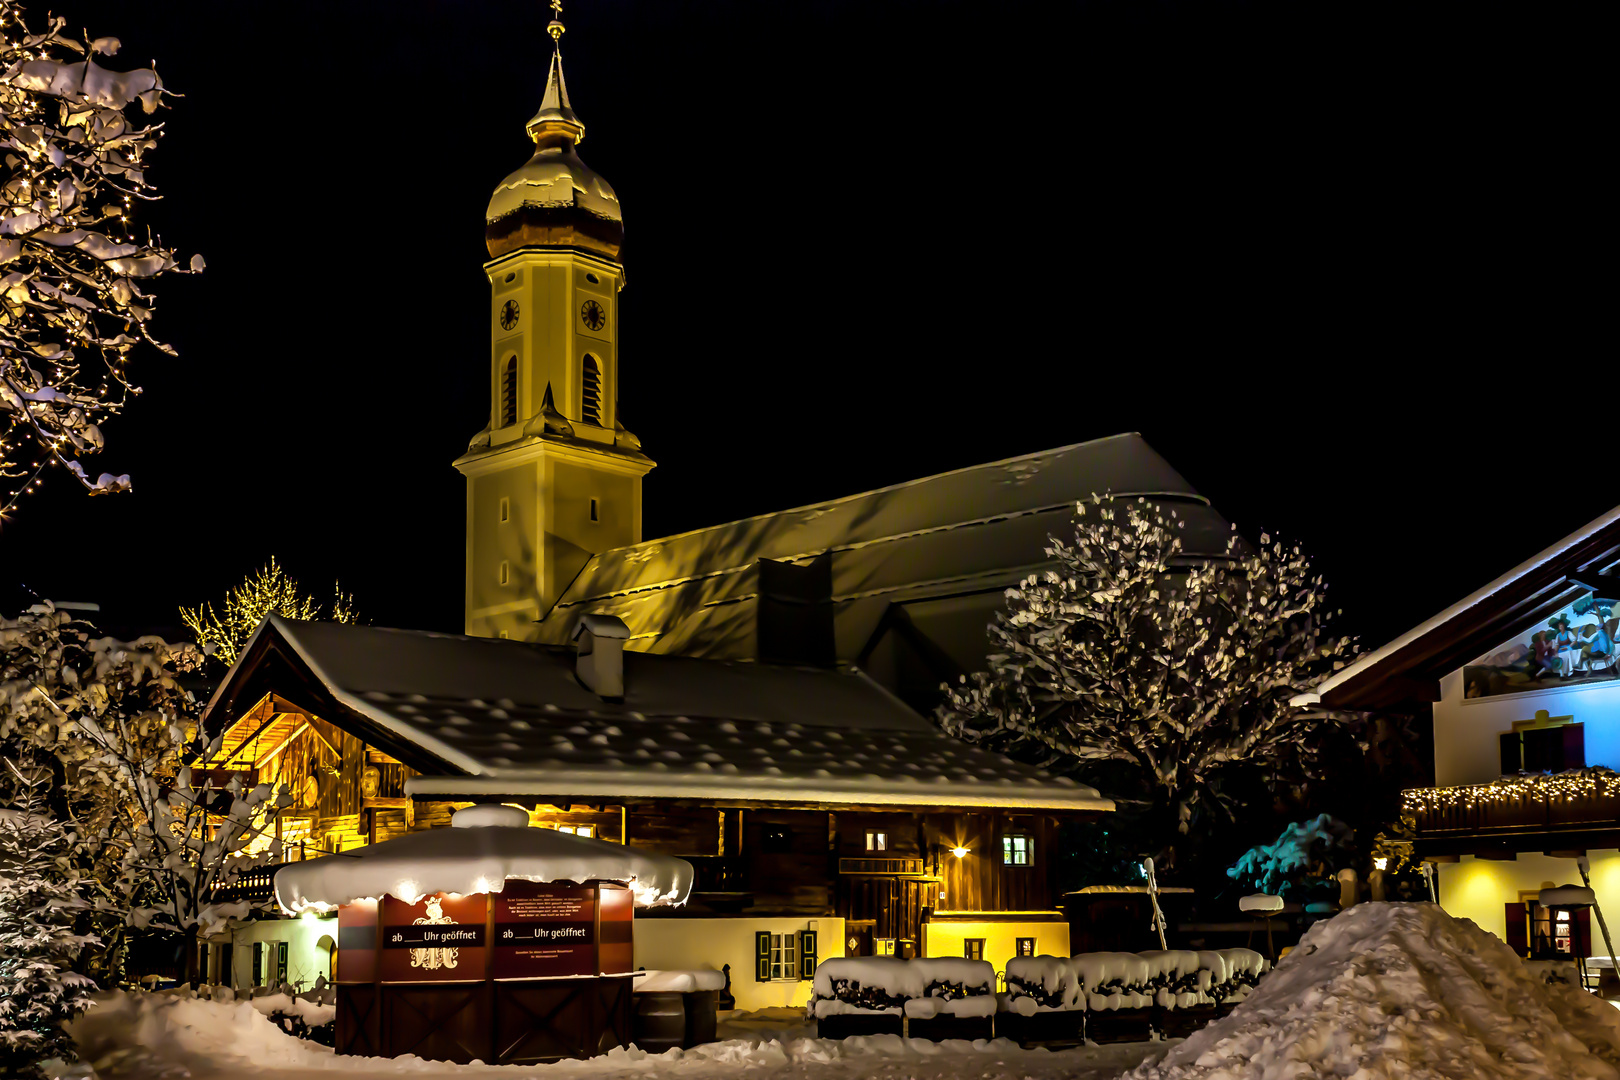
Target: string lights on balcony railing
(1531,787)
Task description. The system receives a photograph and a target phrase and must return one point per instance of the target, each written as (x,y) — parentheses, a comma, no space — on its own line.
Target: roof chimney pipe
(599,654)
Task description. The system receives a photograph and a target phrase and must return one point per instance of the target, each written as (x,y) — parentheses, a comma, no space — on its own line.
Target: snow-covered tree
(268,591)
(74,269)
(156,828)
(1131,662)
(185,833)
(39,902)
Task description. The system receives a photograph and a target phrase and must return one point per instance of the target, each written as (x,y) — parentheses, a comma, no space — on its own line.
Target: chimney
(599,655)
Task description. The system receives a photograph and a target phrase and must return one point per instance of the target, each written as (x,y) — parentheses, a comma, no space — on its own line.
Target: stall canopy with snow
(488,940)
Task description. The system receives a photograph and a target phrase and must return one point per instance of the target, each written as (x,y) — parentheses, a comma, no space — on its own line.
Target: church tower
(554,478)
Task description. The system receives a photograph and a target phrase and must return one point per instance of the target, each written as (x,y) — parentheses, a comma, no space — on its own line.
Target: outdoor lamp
(959,851)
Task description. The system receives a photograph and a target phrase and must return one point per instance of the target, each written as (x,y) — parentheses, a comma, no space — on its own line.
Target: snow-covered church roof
(944,547)
(484,718)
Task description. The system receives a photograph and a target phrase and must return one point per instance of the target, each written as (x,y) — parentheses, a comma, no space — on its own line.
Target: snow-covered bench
(674,1008)
(1116,996)
(958,999)
(933,998)
(863,995)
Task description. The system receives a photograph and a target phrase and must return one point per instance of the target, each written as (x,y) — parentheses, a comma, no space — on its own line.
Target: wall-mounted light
(959,852)
(1381,863)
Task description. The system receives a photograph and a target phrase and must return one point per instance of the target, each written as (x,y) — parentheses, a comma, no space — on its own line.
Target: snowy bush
(1173,674)
(1306,855)
(111,721)
(73,268)
(39,899)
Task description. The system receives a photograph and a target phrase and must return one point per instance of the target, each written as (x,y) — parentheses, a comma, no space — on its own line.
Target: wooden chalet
(824,817)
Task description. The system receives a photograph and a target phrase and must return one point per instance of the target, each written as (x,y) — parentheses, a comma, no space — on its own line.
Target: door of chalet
(892,906)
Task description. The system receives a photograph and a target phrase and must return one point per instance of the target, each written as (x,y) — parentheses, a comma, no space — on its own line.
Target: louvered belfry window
(509,391)
(590,409)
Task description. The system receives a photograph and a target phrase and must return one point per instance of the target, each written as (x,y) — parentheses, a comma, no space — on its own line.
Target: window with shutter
(1518,928)
(258,963)
(281,962)
(807,954)
(762,956)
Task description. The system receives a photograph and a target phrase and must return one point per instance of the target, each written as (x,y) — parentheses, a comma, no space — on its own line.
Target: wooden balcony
(1567,810)
(720,874)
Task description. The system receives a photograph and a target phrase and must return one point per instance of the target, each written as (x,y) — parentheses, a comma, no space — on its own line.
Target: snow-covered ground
(1402,991)
(152,1037)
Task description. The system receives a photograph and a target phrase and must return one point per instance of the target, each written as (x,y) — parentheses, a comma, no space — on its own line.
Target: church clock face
(592,315)
(509,314)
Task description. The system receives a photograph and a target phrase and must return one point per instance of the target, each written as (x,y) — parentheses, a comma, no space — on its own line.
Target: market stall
(488,940)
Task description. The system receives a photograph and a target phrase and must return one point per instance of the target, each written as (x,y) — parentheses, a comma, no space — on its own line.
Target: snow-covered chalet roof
(485,847)
(1408,669)
(485,717)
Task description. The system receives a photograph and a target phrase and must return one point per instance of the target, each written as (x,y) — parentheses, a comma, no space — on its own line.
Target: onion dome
(554,200)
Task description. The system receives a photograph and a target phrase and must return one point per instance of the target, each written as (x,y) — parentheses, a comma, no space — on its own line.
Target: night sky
(1339,263)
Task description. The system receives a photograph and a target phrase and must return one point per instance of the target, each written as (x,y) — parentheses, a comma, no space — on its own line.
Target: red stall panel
(357,943)
(438,939)
(618,914)
(544,931)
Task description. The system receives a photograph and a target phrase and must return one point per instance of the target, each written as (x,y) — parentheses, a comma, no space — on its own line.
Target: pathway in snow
(152,1037)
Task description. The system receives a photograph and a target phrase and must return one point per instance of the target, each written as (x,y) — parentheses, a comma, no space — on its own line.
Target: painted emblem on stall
(433,958)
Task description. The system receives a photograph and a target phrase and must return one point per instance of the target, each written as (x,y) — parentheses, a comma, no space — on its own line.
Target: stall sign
(544,931)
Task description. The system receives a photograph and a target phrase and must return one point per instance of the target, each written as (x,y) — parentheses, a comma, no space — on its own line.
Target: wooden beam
(380,757)
(280,746)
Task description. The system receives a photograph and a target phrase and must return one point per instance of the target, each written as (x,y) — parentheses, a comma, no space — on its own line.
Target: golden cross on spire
(556,28)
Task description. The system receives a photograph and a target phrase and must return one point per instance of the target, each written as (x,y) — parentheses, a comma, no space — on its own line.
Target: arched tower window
(509,391)
(590,408)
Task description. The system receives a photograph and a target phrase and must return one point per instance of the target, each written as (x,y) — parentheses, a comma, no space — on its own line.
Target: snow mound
(187,1029)
(1387,990)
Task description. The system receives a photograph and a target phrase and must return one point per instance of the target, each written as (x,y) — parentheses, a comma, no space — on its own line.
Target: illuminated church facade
(753,697)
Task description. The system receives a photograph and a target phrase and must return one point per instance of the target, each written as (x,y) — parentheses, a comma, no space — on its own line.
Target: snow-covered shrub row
(1109,981)
(921,988)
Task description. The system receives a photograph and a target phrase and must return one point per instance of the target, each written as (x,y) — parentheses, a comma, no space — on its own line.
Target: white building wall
(307,957)
(1481,889)
(708,944)
(1466,730)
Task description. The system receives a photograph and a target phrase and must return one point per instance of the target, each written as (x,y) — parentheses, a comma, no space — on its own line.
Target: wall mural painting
(1577,645)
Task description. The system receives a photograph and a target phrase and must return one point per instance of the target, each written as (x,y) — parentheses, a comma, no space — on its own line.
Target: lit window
(509,392)
(590,407)
(1018,849)
(1026,946)
(877,841)
(506,509)
(587,831)
(973,948)
(593,510)
(785,956)
(506,572)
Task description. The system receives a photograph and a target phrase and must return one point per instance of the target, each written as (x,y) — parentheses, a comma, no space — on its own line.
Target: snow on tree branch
(74,274)
(1132,656)
(39,898)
